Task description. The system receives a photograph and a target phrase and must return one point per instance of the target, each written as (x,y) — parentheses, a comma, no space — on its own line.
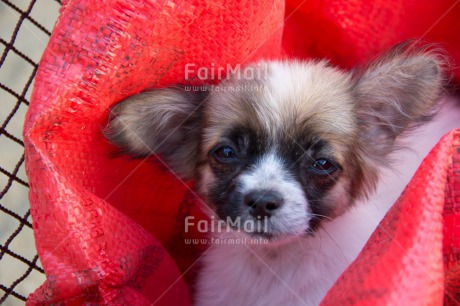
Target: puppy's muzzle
(263,203)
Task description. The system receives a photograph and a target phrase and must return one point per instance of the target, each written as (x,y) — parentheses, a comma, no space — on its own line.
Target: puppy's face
(282,153)
(289,150)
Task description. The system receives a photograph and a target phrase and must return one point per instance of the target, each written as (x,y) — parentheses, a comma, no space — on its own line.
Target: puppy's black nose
(263,203)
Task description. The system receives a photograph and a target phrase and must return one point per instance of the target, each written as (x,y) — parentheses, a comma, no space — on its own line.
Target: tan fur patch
(293,95)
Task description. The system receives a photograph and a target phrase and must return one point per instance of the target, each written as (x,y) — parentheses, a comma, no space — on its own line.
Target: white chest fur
(295,273)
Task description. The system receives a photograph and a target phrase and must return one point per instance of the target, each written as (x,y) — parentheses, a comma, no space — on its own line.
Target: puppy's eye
(323,166)
(225,154)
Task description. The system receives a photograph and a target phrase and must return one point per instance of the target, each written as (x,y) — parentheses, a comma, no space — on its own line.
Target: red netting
(109,230)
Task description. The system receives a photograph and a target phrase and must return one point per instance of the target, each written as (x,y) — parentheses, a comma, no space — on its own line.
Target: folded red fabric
(110,230)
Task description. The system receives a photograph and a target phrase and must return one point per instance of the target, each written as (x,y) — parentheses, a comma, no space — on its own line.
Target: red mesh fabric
(350,32)
(110,230)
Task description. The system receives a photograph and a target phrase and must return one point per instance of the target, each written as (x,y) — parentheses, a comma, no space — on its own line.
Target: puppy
(295,154)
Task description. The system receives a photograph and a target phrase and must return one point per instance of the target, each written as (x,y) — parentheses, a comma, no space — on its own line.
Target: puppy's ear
(394,94)
(164,122)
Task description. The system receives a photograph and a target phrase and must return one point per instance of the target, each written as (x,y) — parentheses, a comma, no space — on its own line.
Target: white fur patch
(269,173)
(295,273)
